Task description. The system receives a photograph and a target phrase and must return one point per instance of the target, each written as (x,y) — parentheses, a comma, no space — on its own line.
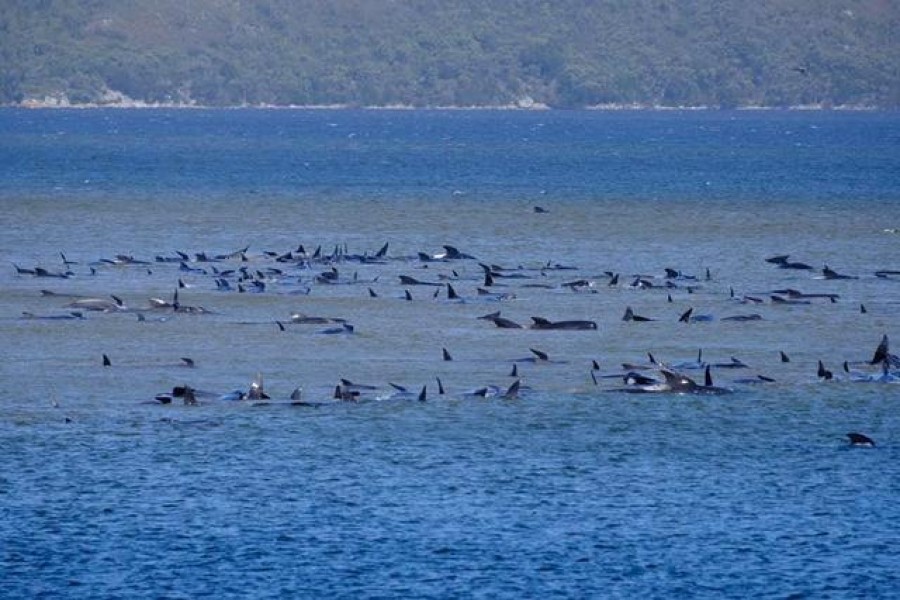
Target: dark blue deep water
(628,155)
(569,489)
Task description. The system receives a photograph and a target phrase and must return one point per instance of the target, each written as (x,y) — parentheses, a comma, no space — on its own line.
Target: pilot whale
(402,393)
(98,304)
(860,440)
(782,262)
(72,315)
(828,273)
(630,316)
(676,383)
(302,319)
(501,322)
(407,280)
(883,354)
(573,325)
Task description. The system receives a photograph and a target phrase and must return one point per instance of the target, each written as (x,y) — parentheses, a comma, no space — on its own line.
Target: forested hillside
(562,53)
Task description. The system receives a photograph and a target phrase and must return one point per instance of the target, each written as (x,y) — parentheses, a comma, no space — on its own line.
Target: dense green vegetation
(565,53)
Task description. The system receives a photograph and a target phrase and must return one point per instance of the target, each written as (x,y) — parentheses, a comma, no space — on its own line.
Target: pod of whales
(296,273)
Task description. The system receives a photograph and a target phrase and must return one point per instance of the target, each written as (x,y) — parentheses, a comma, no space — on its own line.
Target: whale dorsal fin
(881,352)
(540,355)
(512,391)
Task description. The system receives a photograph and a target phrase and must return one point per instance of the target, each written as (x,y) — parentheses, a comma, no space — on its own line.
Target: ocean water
(571,489)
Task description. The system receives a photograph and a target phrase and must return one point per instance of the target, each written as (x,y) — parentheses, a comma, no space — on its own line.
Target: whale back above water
(862,440)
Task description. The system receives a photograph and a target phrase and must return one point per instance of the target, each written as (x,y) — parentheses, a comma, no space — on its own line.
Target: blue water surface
(571,489)
(629,155)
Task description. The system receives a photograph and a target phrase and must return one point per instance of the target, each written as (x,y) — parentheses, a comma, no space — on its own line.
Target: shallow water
(570,490)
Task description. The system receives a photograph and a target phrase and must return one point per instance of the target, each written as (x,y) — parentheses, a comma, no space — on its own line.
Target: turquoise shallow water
(570,490)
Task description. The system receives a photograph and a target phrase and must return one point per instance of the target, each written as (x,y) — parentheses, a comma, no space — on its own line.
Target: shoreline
(50,103)
(337,107)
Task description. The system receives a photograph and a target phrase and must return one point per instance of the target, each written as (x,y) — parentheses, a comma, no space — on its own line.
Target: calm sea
(571,489)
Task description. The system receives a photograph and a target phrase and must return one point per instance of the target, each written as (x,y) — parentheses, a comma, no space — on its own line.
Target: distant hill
(560,53)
